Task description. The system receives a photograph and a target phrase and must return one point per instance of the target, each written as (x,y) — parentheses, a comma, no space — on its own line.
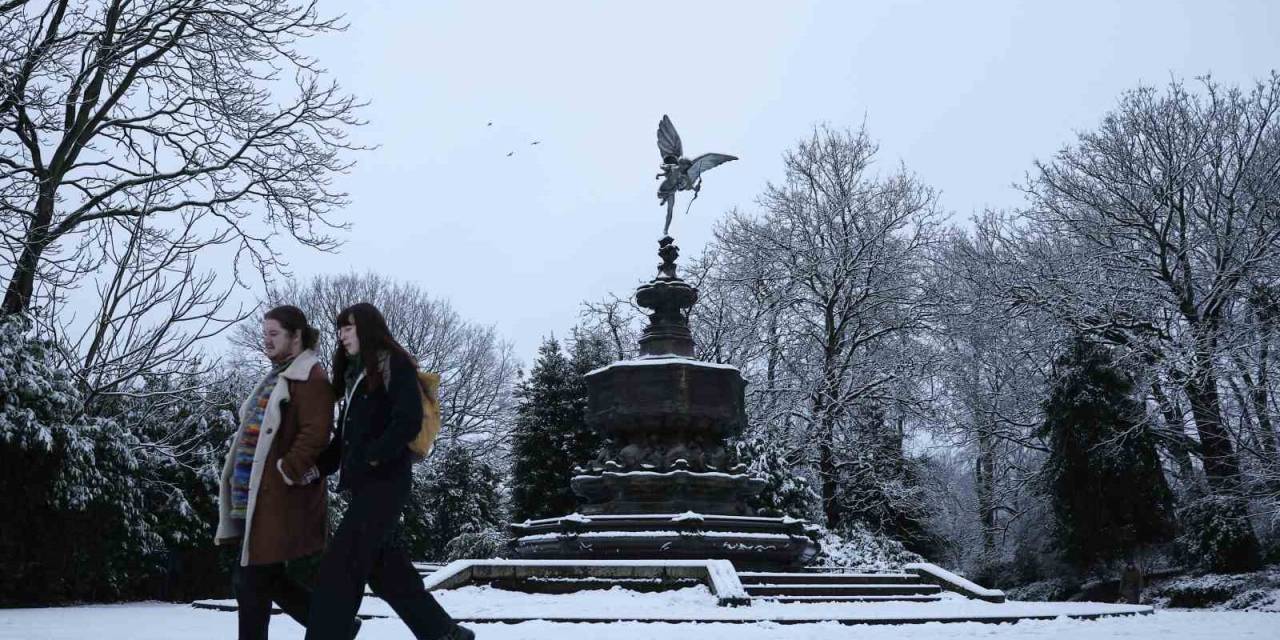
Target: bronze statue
(678,172)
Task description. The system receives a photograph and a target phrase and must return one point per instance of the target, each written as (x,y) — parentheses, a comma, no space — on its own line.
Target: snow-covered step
(574,585)
(799,599)
(758,577)
(425,568)
(775,590)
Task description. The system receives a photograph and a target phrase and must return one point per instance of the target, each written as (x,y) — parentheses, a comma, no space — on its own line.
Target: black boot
(459,632)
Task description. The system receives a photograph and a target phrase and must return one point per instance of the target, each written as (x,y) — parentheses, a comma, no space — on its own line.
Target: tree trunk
(1262,402)
(827,464)
(984,480)
(1221,465)
(17,298)
(1172,414)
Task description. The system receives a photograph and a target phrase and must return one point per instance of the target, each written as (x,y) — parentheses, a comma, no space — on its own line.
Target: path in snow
(479,603)
(163,621)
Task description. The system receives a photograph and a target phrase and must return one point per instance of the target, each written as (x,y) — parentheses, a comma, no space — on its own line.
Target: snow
(656,516)
(756,574)
(727,589)
(164,621)
(655,534)
(689,516)
(665,474)
(476,602)
(662,360)
(960,583)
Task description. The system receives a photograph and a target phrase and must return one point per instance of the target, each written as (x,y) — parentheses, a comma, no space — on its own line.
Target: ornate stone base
(749,542)
(674,491)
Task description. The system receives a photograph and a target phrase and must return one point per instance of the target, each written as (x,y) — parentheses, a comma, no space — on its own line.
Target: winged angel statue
(678,172)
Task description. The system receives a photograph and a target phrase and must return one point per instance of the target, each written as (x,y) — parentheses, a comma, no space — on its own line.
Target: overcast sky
(965,97)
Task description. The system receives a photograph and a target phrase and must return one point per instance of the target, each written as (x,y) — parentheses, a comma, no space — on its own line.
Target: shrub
(1217,535)
(857,547)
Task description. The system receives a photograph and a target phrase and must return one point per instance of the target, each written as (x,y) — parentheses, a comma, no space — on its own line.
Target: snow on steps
(480,604)
(923,583)
(838,587)
(762,577)
(781,590)
(718,575)
(849,598)
(952,582)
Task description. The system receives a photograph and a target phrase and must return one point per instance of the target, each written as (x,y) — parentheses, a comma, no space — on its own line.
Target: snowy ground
(480,603)
(162,621)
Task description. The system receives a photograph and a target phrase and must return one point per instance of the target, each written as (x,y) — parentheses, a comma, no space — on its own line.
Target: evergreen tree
(77,522)
(786,492)
(457,495)
(581,443)
(879,487)
(1108,491)
(538,484)
(551,436)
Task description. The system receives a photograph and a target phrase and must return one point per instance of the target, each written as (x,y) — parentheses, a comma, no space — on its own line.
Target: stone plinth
(666,483)
(749,542)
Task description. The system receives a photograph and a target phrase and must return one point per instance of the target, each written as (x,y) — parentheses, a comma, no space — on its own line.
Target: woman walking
(268,502)
(381,414)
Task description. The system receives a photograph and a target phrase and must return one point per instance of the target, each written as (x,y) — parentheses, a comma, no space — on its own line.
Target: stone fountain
(666,484)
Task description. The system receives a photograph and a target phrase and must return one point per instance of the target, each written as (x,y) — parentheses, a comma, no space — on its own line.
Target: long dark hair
(374,336)
(294,320)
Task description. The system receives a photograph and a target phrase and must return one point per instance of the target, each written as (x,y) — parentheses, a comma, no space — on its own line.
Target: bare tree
(996,360)
(837,252)
(615,319)
(1177,195)
(477,368)
(116,111)
(155,307)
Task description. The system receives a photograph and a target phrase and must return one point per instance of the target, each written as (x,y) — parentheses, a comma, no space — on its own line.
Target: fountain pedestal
(665,485)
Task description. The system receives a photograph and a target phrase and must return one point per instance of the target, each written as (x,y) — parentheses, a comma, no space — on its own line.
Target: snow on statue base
(749,542)
(665,485)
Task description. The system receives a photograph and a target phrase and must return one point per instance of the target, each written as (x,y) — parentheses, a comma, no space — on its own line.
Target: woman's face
(347,336)
(279,343)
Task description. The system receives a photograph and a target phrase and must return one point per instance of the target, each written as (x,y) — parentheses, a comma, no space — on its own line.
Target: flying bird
(490,124)
(678,172)
(536,142)
(511,153)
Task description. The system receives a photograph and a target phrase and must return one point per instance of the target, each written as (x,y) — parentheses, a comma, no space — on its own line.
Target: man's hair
(294,320)
(374,336)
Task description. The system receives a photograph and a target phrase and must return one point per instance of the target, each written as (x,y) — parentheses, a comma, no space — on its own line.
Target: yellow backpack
(429,385)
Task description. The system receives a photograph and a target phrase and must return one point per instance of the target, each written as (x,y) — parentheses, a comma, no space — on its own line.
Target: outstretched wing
(706,162)
(668,140)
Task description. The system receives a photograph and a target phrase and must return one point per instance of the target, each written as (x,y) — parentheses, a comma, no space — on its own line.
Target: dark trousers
(256,586)
(365,550)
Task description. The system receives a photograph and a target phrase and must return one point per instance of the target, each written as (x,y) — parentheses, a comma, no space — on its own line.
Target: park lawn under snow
(163,621)
(697,603)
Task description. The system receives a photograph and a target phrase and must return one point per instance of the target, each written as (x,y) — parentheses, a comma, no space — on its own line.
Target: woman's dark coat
(376,425)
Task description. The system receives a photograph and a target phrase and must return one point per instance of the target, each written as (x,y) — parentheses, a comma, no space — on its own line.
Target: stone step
(800,599)
(757,577)
(842,590)
(573,585)
(426,568)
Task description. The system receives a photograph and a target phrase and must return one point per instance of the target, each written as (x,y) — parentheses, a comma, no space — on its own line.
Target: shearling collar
(300,369)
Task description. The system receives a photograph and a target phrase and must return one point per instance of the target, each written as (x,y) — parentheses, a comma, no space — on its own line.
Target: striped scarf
(247,447)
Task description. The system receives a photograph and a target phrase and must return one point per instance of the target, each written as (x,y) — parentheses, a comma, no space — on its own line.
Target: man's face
(277,343)
(347,336)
